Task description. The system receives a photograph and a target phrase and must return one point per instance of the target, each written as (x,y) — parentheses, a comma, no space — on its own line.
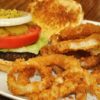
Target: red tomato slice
(28,38)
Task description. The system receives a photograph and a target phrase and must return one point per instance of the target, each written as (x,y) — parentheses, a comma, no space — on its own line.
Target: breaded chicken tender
(86,44)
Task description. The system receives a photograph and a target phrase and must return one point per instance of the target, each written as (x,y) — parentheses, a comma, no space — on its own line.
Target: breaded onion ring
(95,51)
(21,89)
(66,83)
(39,63)
(62,61)
(72,80)
(24,76)
(81,96)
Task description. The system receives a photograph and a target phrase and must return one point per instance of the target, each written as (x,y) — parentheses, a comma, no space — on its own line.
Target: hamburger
(17,35)
(48,17)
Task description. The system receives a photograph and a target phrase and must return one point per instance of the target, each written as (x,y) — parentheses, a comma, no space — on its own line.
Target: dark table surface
(3,98)
(91,9)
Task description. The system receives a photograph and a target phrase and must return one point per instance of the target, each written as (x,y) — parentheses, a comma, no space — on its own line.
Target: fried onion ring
(65,84)
(25,75)
(20,89)
(35,63)
(62,61)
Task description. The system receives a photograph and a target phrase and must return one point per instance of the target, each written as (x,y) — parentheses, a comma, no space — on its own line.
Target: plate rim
(10,96)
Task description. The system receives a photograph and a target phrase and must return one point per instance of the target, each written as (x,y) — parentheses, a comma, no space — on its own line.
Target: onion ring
(62,61)
(25,75)
(65,84)
(81,96)
(20,89)
(35,63)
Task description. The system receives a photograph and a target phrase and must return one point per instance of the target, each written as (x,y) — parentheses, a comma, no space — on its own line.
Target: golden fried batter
(87,43)
(5,66)
(55,15)
(90,61)
(80,31)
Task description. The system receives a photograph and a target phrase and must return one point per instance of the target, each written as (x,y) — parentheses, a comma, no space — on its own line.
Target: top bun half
(55,15)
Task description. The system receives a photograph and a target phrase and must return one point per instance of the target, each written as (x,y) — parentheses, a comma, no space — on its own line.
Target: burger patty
(11,56)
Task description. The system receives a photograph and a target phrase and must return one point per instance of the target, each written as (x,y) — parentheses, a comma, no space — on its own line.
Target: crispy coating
(80,31)
(69,64)
(25,75)
(61,72)
(95,51)
(5,66)
(92,41)
(81,96)
(18,88)
(96,73)
(87,62)
(72,78)
(35,63)
(68,82)
(90,61)
(55,15)
(53,60)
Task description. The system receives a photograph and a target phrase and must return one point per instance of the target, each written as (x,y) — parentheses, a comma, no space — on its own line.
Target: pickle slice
(17,30)
(3,32)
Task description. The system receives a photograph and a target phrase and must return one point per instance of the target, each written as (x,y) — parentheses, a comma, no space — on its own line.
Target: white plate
(3,81)
(4,89)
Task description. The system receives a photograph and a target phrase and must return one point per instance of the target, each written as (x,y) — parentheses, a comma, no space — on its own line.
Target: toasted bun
(55,15)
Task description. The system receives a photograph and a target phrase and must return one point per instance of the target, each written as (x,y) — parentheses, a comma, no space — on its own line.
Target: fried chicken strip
(80,31)
(90,42)
(90,61)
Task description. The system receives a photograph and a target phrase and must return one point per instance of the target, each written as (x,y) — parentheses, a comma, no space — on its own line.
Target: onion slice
(27,17)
